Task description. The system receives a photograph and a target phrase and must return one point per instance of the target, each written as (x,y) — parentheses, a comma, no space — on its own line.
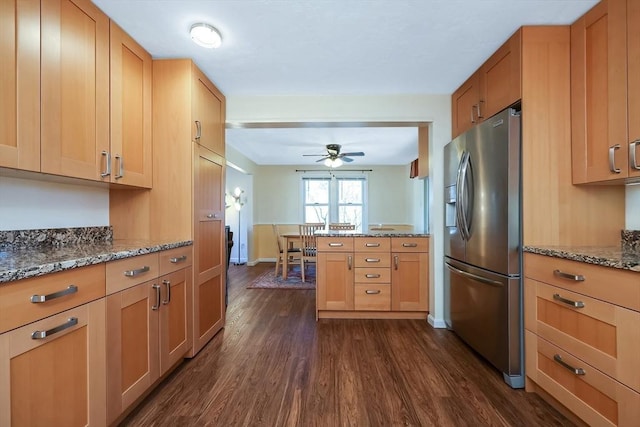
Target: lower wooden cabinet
(52,372)
(335,283)
(410,274)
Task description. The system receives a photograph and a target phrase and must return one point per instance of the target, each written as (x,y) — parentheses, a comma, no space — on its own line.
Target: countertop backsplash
(20,239)
(631,241)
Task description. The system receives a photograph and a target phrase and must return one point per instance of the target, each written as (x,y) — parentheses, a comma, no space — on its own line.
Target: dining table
(289,243)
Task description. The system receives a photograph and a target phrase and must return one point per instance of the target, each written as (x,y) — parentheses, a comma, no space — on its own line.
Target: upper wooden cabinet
(130,111)
(633,81)
(208,114)
(75,89)
(20,100)
(601,146)
(492,88)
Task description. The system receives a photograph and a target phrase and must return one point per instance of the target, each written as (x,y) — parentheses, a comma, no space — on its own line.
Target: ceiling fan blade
(354,154)
(321,160)
(314,155)
(346,159)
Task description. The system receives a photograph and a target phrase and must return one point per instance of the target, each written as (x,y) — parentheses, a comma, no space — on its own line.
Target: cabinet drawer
(124,273)
(375,297)
(602,334)
(410,244)
(57,291)
(372,244)
(335,244)
(595,397)
(175,259)
(620,287)
(372,275)
(373,260)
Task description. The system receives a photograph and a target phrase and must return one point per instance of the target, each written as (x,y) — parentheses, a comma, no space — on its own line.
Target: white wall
(633,207)
(423,108)
(27,204)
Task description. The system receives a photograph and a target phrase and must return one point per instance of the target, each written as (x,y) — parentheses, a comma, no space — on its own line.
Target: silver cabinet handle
(167,283)
(134,273)
(396,261)
(480,116)
(633,159)
(120,172)
(372,245)
(372,276)
(473,107)
(156,306)
(107,172)
(574,277)
(336,245)
(372,291)
(576,304)
(612,158)
(372,260)
(576,371)
(178,259)
(198,130)
(409,245)
(350,261)
(40,335)
(36,299)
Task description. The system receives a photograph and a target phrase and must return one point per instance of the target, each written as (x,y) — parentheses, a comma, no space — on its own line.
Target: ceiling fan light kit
(332,163)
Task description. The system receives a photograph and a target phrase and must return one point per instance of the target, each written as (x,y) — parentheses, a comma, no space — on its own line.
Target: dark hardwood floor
(274,365)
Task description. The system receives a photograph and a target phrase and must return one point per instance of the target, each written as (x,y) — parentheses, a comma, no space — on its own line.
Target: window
(335,199)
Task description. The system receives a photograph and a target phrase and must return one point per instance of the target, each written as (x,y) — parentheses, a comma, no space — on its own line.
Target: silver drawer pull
(36,299)
(178,259)
(40,335)
(409,245)
(133,273)
(372,276)
(335,245)
(576,304)
(372,245)
(156,288)
(576,371)
(372,259)
(574,277)
(167,283)
(372,291)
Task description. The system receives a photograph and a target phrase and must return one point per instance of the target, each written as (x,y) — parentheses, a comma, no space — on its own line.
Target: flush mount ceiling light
(205,35)
(333,163)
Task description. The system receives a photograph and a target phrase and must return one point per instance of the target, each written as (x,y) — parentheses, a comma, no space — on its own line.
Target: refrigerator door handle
(465,194)
(459,198)
(474,276)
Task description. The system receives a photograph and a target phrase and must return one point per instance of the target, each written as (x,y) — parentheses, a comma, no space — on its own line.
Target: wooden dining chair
(293,259)
(341,226)
(308,244)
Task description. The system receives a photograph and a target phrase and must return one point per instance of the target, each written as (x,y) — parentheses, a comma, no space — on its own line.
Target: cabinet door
(464,105)
(409,282)
(208,246)
(208,113)
(132,350)
(174,332)
(130,110)
(500,78)
(633,90)
(599,94)
(20,100)
(75,89)
(57,379)
(334,281)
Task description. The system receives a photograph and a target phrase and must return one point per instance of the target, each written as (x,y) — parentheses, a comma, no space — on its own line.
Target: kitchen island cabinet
(372,276)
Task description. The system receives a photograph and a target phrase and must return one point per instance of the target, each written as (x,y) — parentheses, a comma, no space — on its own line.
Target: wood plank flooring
(274,365)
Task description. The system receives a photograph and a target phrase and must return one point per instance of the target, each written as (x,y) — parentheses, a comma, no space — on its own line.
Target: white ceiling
(335,47)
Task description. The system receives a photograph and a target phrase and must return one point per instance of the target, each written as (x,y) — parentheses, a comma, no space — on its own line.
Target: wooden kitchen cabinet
(581,338)
(372,274)
(633,89)
(130,74)
(492,88)
(334,274)
(599,94)
(20,84)
(148,327)
(52,372)
(208,114)
(74,89)
(410,274)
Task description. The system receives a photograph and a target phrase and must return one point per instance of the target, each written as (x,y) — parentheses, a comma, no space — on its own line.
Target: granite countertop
(608,256)
(22,263)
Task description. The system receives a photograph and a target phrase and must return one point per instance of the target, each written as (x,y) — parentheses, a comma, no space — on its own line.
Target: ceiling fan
(333,157)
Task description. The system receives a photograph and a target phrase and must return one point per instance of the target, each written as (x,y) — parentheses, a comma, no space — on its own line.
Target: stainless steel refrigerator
(482,242)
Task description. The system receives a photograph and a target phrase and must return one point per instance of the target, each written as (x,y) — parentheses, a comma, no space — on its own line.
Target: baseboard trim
(436,323)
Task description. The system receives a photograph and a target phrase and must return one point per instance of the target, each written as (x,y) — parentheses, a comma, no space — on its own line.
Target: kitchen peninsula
(376,275)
